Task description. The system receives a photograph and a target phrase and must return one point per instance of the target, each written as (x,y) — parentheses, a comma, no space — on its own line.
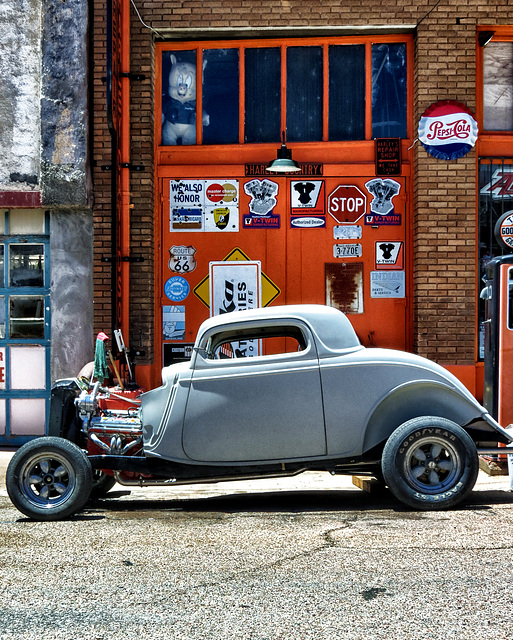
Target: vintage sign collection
(344,208)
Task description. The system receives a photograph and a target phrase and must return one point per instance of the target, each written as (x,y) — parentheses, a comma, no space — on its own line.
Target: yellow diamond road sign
(269,290)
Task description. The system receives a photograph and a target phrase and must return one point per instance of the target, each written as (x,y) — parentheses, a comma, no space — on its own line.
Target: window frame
(241,45)
(11,392)
(501,34)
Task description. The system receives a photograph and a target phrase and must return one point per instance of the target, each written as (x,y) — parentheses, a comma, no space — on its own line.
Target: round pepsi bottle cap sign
(447,130)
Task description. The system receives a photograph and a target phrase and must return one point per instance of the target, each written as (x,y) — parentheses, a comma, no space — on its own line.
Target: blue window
(24,325)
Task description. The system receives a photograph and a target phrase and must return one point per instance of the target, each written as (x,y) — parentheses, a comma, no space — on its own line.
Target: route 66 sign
(182,259)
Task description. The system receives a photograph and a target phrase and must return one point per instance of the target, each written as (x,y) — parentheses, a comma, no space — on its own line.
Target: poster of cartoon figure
(218,76)
(179,101)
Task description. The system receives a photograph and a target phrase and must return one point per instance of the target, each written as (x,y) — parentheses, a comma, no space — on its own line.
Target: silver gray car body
(331,400)
(309,397)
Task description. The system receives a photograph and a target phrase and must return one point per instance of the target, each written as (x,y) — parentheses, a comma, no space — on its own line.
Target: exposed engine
(111,424)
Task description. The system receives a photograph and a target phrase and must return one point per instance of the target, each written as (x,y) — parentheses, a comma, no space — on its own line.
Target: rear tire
(102,484)
(430,463)
(49,479)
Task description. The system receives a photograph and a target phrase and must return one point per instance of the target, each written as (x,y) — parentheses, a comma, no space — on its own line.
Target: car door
(258,408)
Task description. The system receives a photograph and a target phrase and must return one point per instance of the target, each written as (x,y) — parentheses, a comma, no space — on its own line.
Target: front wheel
(430,463)
(49,479)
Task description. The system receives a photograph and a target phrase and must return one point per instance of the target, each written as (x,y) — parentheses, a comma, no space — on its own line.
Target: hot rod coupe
(267,392)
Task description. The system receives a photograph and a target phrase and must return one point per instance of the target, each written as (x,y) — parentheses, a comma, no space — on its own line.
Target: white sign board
(236,286)
(388,284)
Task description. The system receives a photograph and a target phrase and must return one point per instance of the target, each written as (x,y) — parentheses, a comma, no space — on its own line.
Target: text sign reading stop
(347,203)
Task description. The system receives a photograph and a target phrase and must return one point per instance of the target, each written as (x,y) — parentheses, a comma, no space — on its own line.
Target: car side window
(247,343)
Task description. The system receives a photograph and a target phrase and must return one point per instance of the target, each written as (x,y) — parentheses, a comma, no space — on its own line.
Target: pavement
(310,557)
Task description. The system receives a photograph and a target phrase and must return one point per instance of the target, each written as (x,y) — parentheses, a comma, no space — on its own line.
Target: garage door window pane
(179,97)
(389,90)
(2,266)
(262,95)
(2,317)
(304,93)
(2,416)
(220,96)
(347,107)
(28,416)
(28,367)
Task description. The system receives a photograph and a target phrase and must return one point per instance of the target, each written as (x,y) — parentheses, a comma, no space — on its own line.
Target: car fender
(415,399)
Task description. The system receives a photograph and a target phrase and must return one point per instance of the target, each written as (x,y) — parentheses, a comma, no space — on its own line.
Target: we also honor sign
(447,130)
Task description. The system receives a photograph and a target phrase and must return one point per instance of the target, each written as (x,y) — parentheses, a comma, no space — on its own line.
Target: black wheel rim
(433,465)
(47,480)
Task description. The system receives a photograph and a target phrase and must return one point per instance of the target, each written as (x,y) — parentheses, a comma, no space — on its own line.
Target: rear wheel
(49,479)
(430,463)
(102,483)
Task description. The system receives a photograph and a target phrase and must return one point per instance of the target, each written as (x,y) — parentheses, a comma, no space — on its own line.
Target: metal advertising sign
(263,195)
(347,204)
(235,286)
(447,130)
(204,205)
(381,206)
(388,156)
(388,284)
(307,204)
(181,259)
(389,255)
(173,322)
(504,230)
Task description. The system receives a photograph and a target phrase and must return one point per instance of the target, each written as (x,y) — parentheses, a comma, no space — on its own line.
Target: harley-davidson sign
(447,130)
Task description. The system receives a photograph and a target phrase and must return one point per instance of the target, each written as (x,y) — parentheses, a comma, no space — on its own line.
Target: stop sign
(347,203)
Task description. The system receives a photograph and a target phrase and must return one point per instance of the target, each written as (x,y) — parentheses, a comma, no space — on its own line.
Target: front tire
(430,463)
(49,479)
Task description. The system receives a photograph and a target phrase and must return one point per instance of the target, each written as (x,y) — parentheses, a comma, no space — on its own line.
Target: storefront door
(318,238)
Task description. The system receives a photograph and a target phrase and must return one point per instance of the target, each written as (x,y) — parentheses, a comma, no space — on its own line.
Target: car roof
(330,325)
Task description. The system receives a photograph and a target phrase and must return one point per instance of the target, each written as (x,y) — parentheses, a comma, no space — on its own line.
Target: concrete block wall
(44,158)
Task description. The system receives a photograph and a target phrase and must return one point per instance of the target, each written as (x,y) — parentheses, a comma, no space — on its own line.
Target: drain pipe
(113,171)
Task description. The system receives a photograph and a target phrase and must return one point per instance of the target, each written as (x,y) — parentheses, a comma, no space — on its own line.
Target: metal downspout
(124,214)
(119,169)
(113,170)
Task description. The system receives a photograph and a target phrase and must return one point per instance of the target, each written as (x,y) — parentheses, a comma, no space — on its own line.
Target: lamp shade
(283,162)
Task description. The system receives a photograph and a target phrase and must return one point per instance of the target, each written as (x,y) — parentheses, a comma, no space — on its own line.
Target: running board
(495,451)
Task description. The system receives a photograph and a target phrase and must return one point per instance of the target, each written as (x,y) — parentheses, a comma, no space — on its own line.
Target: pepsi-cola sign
(447,130)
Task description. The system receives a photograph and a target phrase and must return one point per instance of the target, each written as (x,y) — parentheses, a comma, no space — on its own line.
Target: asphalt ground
(310,557)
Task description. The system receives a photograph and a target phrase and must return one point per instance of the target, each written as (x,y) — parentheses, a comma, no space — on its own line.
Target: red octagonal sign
(347,203)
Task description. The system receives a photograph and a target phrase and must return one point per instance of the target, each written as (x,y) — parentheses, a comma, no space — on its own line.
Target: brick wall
(444,199)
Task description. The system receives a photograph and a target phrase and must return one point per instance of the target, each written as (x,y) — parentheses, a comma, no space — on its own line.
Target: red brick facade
(444,200)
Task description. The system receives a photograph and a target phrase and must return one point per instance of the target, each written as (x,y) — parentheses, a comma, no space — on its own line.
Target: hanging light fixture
(484,37)
(283,162)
